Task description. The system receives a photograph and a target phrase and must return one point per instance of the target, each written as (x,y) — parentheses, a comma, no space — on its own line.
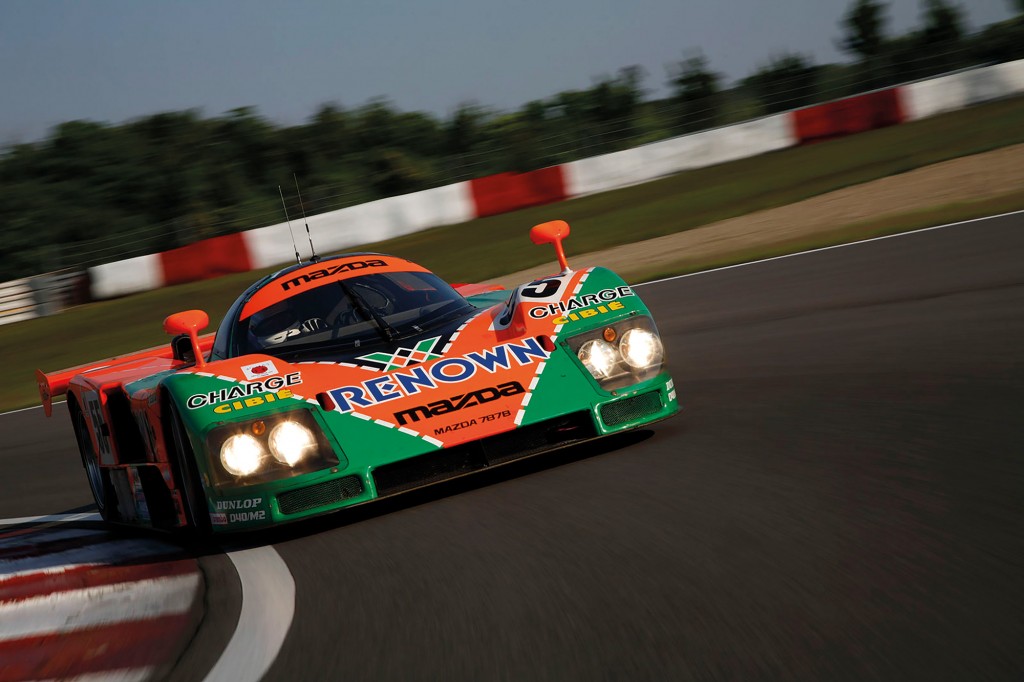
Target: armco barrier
(849,116)
(17,301)
(26,299)
(506,192)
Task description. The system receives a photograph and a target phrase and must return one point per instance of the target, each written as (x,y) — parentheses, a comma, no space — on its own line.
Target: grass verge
(490,247)
(854,232)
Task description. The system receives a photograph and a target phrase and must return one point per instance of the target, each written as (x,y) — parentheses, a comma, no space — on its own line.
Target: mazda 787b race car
(338,381)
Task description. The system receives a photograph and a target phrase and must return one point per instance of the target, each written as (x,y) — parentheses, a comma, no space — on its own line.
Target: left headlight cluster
(621,354)
(271,447)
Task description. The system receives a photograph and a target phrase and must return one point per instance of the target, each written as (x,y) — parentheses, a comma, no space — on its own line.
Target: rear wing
(55,384)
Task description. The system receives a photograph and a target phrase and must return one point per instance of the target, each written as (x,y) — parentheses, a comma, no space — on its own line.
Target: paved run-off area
(839,499)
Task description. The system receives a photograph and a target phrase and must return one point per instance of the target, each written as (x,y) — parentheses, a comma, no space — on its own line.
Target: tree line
(92,192)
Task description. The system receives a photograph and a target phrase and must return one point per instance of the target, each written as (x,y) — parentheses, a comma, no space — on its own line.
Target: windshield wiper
(438,319)
(300,349)
(387,332)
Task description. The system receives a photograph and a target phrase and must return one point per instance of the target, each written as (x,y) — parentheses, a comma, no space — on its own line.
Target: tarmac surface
(841,498)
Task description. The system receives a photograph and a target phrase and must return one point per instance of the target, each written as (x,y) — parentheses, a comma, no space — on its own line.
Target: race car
(335,382)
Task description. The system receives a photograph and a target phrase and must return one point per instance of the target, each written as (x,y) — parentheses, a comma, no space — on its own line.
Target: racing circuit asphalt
(841,498)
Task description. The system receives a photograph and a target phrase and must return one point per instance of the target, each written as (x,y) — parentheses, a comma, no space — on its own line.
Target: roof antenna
(289,220)
(313,258)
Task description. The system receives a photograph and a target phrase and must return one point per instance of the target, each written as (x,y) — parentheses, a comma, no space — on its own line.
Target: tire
(186,475)
(99,479)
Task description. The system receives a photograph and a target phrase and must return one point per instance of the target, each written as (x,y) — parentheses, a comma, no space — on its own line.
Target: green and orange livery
(337,382)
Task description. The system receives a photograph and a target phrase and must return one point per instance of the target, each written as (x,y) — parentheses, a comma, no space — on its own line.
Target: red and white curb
(87,604)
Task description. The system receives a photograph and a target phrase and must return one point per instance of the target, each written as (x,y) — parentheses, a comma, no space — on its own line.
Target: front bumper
(329,490)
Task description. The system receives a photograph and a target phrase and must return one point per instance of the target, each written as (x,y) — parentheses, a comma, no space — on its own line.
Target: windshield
(351,313)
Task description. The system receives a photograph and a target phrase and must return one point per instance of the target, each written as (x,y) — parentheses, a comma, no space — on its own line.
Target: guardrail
(17,301)
(32,297)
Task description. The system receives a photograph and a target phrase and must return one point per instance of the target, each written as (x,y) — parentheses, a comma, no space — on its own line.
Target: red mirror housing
(189,322)
(552,232)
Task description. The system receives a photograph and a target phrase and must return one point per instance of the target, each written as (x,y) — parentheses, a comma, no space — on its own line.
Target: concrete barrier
(959,90)
(849,116)
(686,152)
(400,215)
(205,259)
(362,224)
(506,192)
(130,276)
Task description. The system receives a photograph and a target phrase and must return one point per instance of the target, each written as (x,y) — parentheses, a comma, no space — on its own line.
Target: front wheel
(186,474)
(99,479)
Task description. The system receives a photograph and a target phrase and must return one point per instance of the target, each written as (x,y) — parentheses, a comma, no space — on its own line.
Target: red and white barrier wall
(266,246)
(650,161)
(396,216)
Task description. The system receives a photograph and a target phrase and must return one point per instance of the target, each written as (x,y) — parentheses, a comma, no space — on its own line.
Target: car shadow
(475,480)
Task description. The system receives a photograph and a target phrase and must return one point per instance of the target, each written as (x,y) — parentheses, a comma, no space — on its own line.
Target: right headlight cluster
(275,446)
(621,354)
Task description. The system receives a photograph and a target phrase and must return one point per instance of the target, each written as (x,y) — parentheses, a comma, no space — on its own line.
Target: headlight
(270,446)
(290,442)
(241,454)
(640,348)
(599,357)
(623,353)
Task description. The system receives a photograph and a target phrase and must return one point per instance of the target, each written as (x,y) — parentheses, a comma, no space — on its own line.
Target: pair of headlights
(276,445)
(289,443)
(620,354)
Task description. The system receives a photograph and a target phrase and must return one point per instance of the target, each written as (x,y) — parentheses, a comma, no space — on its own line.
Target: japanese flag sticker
(259,370)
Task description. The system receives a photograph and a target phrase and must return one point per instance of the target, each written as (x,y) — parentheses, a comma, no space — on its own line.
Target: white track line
(95,606)
(268,606)
(50,518)
(33,407)
(828,248)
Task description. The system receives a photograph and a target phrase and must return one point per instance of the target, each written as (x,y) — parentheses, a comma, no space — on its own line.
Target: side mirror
(190,323)
(552,232)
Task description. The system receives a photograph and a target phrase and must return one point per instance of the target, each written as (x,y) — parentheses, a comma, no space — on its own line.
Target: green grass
(494,246)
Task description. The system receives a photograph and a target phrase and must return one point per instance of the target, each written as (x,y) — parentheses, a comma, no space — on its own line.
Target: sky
(115,60)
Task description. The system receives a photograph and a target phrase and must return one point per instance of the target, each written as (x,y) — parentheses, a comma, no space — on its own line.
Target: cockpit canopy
(344,302)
